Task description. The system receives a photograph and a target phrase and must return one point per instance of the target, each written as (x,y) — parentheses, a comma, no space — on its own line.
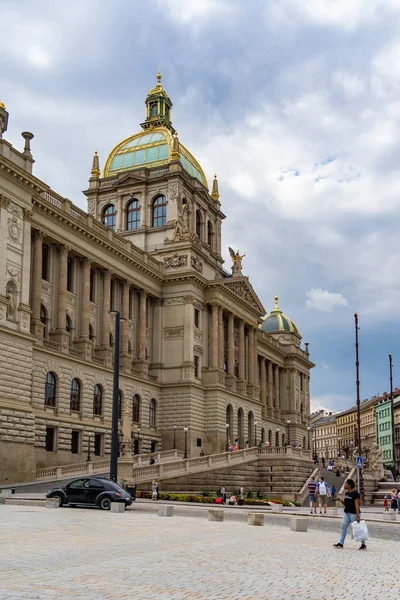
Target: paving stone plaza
(91,554)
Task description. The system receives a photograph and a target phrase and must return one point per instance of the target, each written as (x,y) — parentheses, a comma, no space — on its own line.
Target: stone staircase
(271,471)
(384,489)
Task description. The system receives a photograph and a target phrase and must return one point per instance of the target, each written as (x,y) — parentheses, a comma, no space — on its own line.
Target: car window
(111,485)
(94,483)
(79,483)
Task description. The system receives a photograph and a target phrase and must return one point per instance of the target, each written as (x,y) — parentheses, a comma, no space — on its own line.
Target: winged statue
(236,260)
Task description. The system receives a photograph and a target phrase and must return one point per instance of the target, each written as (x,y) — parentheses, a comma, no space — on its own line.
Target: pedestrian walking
(351,502)
(223,494)
(323,494)
(398,501)
(312,487)
(241,496)
(333,493)
(152,460)
(386,504)
(393,495)
(323,462)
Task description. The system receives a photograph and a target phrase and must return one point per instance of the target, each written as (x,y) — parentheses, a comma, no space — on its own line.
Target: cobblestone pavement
(90,554)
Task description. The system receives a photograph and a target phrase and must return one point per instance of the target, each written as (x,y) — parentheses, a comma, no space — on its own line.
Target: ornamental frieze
(175,261)
(197,265)
(173,332)
(14,272)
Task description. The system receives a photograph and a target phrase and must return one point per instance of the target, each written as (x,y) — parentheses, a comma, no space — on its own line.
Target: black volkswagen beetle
(94,491)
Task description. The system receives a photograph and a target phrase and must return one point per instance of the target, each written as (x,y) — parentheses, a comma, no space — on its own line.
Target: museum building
(196,350)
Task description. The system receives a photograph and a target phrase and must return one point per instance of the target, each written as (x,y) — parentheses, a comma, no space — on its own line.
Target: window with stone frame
(75,442)
(50,439)
(196,366)
(133,215)
(152,413)
(70,274)
(75,396)
(159,211)
(136,409)
(92,286)
(110,216)
(45,262)
(98,400)
(50,390)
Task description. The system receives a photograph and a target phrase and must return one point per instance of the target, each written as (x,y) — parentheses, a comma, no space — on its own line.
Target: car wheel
(105,503)
(59,498)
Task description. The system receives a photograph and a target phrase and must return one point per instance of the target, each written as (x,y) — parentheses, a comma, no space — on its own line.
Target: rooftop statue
(236,262)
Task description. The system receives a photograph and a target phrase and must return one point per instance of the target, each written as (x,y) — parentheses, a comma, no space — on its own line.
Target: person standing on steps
(323,462)
(351,502)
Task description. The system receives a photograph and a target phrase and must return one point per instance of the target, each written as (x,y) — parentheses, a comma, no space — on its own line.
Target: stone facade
(192,353)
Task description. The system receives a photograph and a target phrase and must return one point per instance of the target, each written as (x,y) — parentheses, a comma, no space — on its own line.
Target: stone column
(263,382)
(277,389)
(142,324)
(62,288)
(242,369)
(251,356)
(125,316)
(221,339)
(270,388)
(85,299)
(256,369)
(119,223)
(214,335)
(106,308)
(231,345)
(36,325)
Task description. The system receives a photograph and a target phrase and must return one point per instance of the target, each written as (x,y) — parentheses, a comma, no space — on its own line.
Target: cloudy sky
(294,104)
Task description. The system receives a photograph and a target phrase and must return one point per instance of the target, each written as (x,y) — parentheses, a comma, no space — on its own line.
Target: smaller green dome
(277,322)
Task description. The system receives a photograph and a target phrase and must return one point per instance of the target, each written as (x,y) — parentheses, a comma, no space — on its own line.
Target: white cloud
(324,300)
(326,367)
(190,11)
(331,402)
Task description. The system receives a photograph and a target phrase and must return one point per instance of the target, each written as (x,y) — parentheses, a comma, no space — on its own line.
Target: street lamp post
(288,431)
(174,446)
(185,429)
(338,439)
(114,422)
(392,411)
(88,447)
(360,486)
(315,442)
(308,435)
(227,437)
(255,433)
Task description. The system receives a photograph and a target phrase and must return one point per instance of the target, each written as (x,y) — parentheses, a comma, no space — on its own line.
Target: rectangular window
(196,317)
(75,437)
(301,382)
(45,262)
(98,444)
(50,439)
(70,274)
(196,366)
(199,442)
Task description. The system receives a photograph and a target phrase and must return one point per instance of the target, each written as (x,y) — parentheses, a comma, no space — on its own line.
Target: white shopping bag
(360,531)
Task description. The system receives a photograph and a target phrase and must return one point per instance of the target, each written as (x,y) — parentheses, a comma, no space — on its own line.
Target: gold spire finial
(215,192)
(276,307)
(2,105)
(159,77)
(95,172)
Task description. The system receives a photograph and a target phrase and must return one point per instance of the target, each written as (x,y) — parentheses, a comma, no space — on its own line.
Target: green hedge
(209,499)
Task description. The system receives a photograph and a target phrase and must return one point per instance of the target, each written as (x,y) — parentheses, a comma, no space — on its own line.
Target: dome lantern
(158,108)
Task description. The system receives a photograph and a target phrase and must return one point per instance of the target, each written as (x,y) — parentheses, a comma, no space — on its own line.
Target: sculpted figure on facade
(10,305)
(236,261)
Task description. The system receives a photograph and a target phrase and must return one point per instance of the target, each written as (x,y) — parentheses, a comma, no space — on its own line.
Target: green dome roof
(277,322)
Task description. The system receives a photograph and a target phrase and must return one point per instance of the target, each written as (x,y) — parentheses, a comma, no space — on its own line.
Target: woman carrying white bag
(352,512)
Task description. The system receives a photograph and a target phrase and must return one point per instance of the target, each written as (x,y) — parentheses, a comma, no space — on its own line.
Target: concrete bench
(215,515)
(52,503)
(298,524)
(276,508)
(117,507)
(165,510)
(255,519)
(387,516)
(5,492)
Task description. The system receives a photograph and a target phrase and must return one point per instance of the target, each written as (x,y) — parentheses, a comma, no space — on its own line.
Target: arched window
(43,319)
(154,109)
(159,211)
(198,223)
(136,409)
(304,443)
(98,400)
(129,347)
(270,437)
(210,234)
(110,216)
(251,432)
(75,396)
(283,440)
(50,390)
(152,413)
(133,215)
(229,420)
(241,427)
(277,439)
(120,400)
(91,333)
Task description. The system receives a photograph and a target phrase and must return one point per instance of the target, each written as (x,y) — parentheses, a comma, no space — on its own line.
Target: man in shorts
(323,494)
(312,490)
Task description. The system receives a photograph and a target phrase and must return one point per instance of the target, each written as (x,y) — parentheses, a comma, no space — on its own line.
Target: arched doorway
(250,429)
(241,439)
